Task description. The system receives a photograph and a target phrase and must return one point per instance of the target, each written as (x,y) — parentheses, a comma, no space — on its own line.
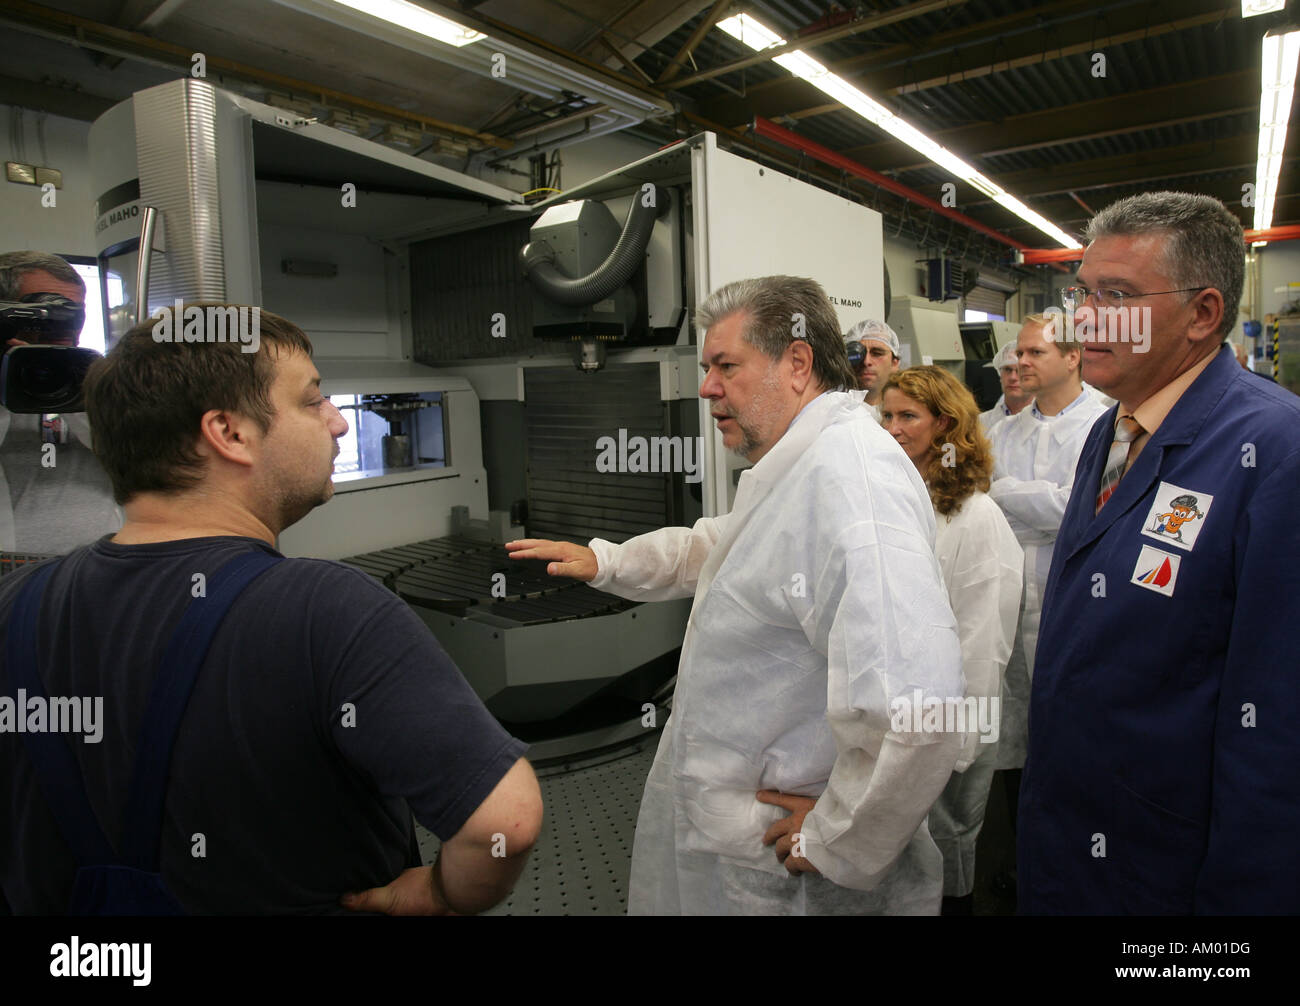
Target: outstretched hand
(576,561)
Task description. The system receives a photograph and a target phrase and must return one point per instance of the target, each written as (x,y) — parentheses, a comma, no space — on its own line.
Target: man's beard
(760,415)
(294,502)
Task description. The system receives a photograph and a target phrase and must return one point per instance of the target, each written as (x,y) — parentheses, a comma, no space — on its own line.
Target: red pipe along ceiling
(1043,256)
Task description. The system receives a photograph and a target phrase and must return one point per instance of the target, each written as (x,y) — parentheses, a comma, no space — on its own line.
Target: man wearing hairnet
(796,771)
(1013,397)
(874,361)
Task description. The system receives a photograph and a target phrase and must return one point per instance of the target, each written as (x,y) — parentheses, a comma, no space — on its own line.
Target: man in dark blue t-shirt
(325,713)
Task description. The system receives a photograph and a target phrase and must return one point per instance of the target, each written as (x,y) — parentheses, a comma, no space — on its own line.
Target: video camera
(41,378)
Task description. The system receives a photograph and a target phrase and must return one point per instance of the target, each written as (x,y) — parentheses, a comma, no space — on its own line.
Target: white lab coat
(1105,399)
(995,415)
(818,600)
(982,566)
(1034,460)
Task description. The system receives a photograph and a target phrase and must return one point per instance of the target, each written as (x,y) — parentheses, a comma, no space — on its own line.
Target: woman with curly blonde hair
(935,420)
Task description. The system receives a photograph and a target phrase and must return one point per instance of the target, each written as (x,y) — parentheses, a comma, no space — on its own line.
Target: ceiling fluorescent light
(747,31)
(1277,87)
(1013,204)
(530,72)
(1249,8)
(978,182)
(416,19)
(758,37)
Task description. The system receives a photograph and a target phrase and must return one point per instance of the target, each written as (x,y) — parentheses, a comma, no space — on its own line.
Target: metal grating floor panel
(581,862)
(456,575)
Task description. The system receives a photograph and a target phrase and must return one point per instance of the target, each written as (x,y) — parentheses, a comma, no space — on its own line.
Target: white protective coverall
(818,600)
(995,415)
(1034,460)
(982,565)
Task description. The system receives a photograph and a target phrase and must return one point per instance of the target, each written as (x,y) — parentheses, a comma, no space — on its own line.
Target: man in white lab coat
(791,777)
(1034,455)
(1013,398)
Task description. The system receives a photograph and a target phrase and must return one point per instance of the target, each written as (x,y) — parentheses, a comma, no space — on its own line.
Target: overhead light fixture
(1277,86)
(757,36)
(409,26)
(417,19)
(1249,8)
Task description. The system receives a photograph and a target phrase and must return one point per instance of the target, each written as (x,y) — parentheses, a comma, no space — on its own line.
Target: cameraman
(50,502)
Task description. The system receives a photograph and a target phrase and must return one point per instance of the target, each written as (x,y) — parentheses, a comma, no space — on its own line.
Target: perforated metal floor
(581,862)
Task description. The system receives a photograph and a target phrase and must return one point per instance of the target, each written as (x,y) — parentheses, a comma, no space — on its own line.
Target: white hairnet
(870,329)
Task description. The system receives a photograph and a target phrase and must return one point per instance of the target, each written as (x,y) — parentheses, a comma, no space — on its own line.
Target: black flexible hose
(538,257)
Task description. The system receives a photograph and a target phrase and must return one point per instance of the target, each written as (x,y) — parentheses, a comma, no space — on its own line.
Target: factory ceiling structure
(1043,112)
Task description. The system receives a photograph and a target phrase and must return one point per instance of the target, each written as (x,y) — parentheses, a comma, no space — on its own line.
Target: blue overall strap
(177,673)
(57,772)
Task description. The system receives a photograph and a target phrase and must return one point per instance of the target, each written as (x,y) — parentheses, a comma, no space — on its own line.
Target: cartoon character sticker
(1177,515)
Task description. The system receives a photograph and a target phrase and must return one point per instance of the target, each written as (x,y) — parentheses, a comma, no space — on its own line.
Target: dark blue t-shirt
(324,709)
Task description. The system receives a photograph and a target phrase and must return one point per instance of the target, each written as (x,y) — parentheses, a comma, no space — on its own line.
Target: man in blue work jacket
(1164,725)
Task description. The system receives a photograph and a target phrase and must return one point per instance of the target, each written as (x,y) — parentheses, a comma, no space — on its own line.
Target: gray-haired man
(820,626)
(1162,743)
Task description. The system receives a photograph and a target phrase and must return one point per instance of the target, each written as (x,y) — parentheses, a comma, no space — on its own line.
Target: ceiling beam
(541,47)
(675,64)
(1061,52)
(148,15)
(868,23)
(1171,104)
(1141,169)
(606,43)
(140,15)
(1040,17)
(641,26)
(989,56)
(1191,168)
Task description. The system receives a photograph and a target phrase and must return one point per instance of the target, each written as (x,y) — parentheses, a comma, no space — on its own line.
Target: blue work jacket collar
(1181,426)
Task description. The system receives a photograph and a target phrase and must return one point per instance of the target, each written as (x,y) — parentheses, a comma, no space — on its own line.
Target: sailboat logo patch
(1156,570)
(1177,515)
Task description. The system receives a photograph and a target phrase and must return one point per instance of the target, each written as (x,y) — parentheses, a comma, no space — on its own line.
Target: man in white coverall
(792,777)
(1034,456)
(1013,398)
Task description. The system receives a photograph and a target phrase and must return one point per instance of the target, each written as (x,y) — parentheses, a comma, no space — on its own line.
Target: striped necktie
(1127,429)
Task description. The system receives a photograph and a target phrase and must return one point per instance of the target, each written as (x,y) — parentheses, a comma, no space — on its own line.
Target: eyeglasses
(1074,297)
